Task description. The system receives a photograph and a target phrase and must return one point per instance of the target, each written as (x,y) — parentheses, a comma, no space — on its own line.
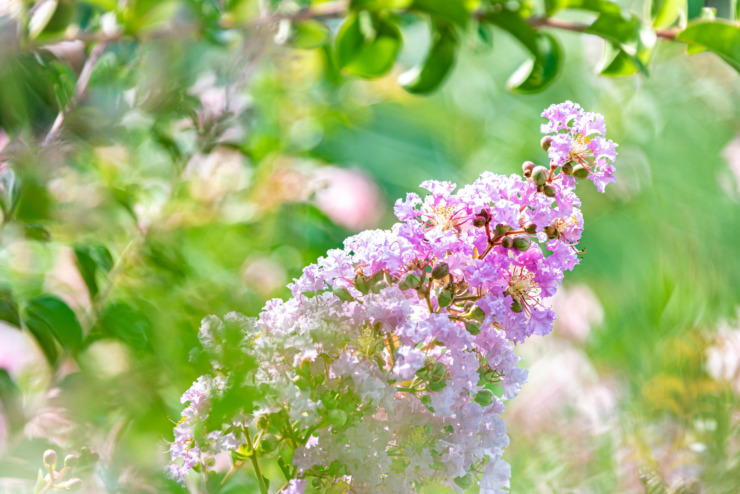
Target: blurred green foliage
(181,182)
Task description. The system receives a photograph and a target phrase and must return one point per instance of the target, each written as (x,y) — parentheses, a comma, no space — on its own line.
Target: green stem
(256,463)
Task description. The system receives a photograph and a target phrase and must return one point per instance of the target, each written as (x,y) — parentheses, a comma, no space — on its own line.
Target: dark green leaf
(47,316)
(367,46)
(10,189)
(36,231)
(600,6)
(694,9)
(721,37)
(428,76)
(451,10)
(8,308)
(123,322)
(634,38)
(379,4)
(90,260)
(308,34)
(537,73)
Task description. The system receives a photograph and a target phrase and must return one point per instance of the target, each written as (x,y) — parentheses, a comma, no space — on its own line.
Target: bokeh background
(637,389)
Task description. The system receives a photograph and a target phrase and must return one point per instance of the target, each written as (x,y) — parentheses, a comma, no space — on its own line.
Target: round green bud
(362,284)
(522,243)
(342,294)
(580,171)
(551,231)
(337,417)
(440,270)
(507,242)
(546,142)
(412,280)
(445,298)
(549,190)
(403,286)
(70,461)
(484,397)
(516,306)
(268,443)
(528,166)
(530,227)
(568,168)
(479,221)
(439,370)
(423,291)
(472,328)
(50,458)
(501,229)
(437,385)
(540,175)
(379,286)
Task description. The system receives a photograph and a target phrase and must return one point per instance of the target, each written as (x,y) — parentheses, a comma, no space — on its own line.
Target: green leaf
(48,316)
(367,46)
(438,63)
(665,13)
(540,71)
(451,10)
(41,16)
(308,34)
(123,322)
(379,4)
(8,308)
(599,6)
(616,63)
(721,37)
(10,189)
(36,231)
(90,260)
(630,35)
(694,9)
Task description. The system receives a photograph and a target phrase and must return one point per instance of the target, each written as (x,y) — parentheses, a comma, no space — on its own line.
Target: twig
(668,34)
(80,89)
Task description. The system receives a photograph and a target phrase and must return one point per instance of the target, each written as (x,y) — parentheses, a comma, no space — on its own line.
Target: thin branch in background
(80,89)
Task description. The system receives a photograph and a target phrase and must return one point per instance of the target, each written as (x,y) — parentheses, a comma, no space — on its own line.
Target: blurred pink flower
(723,358)
(17,350)
(578,311)
(264,275)
(348,197)
(732,154)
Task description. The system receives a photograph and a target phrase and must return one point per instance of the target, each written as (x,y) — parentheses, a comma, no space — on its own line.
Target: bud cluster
(390,364)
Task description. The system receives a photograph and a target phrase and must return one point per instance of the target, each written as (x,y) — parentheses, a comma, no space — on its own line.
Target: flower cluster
(389,366)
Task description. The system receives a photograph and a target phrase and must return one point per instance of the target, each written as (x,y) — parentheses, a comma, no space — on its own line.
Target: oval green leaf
(438,63)
(721,37)
(367,46)
(46,317)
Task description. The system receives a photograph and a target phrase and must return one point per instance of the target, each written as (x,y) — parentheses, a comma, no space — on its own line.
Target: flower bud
(530,227)
(528,165)
(580,171)
(551,231)
(70,461)
(549,190)
(568,168)
(337,417)
(479,221)
(439,371)
(507,242)
(50,458)
(263,422)
(342,294)
(484,397)
(540,175)
(412,280)
(528,174)
(522,243)
(362,284)
(268,443)
(546,142)
(501,229)
(516,306)
(440,270)
(472,328)
(379,286)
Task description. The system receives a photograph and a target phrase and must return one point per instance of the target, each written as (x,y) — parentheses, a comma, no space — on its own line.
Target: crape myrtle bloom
(389,366)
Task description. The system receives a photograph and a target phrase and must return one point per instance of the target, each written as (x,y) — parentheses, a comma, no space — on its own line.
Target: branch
(667,34)
(80,89)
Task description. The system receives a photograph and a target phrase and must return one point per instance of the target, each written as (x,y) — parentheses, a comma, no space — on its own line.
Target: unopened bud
(507,242)
(423,291)
(540,175)
(412,280)
(516,306)
(522,243)
(440,271)
(337,418)
(439,371)
(70,461)
(50,458)
(546,142)
(268,443)
(568,168)
(479,221)
(549,190)
(465,482)
(551,231)
(530,227)
(528,166)
(263,422)
(501,229)
(477,314)
(528,174)
(580,171)
(484,397)
(379,286)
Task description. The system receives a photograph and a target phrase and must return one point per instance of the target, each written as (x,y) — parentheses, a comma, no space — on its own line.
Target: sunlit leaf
(665,13)
(635,39)
(123,322)
(452,10)
(367,46)
(308,34)
(600,6)
(721,37)
(91,260)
